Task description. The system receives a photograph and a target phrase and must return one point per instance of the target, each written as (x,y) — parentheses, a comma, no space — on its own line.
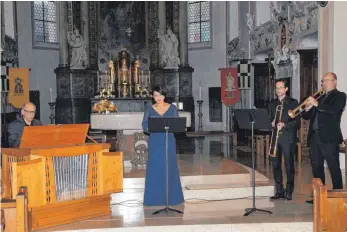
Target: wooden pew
(14,213)
(329,209)
(67,179)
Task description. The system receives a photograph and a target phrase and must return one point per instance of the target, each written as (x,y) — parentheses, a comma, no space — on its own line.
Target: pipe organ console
(67,179)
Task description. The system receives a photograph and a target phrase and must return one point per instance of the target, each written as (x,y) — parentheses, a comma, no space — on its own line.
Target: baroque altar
(117,51)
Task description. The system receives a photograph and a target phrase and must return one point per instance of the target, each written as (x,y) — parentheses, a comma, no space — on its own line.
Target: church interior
(89,67)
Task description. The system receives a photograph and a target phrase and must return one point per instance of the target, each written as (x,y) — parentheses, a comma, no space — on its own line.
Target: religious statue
(79,54)
(168,50)
(250,21)
(282,56)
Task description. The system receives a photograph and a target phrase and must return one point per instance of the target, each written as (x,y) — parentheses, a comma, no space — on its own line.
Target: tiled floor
(211,155)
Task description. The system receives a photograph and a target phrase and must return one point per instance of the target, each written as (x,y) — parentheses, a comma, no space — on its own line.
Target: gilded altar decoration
(125,78)
(104,106)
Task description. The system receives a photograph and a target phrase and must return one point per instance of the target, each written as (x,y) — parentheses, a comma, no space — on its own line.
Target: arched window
(199,23)
(45,23)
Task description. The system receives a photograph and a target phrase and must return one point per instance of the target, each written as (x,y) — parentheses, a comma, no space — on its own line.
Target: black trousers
(286,146)
(325,151)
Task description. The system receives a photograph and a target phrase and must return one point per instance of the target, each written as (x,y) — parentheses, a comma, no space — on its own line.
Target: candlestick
(50,94)
(142,84)
(98,80)
(52,106)
(200,114)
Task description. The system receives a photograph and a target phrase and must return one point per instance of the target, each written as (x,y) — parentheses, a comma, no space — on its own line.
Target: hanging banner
(19,86)
(229,86)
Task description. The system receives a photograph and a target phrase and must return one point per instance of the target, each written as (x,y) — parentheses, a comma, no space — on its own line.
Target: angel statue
(79,54)
(168,50)
(250,21)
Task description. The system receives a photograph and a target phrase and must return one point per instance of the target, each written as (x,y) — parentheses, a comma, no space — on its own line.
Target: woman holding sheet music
(155,185)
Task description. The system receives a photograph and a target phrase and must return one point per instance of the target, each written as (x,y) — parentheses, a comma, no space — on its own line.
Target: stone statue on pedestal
(168,50)
(79,54)
(282,56)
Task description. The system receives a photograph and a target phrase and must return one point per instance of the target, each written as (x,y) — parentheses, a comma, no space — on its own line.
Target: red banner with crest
(229,86)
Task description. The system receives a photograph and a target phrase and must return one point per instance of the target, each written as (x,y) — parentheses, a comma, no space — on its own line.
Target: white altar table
(130,137)
(124,120)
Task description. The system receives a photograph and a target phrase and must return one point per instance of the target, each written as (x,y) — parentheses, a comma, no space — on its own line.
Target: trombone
(273,144)
(298,110)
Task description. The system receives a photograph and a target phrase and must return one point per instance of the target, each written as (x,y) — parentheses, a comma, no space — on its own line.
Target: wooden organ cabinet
(67,179)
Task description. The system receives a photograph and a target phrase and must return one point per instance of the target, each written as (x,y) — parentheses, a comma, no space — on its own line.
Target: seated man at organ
(15,128)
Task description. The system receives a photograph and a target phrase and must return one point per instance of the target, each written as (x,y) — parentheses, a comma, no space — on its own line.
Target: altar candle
(142,84)
(50,94)
(149,79)
(130,77)
(200,92)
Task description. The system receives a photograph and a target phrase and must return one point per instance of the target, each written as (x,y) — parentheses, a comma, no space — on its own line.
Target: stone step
(216,193)
(227,227)
(195,180)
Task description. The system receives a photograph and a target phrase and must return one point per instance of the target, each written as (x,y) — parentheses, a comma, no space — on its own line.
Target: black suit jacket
(290,124)
(329,111)
(15,131)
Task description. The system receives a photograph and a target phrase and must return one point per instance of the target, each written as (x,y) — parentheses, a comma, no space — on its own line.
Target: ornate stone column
(63,45)
(325,38)
(85,28)
(162,17)
(183,33)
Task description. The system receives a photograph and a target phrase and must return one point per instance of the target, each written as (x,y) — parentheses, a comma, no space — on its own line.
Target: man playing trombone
(325,134)
(284,140)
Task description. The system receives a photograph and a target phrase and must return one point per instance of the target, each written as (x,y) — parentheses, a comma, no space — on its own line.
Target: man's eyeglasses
(29,112)
(326,80)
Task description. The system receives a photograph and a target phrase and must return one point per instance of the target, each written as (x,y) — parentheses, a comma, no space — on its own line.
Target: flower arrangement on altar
(104,106)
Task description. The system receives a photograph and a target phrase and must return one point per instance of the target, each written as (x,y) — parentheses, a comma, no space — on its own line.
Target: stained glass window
(199,22)
(45,22)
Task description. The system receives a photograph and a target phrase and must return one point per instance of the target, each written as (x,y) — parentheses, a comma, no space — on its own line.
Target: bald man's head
(329,81)
(28,112)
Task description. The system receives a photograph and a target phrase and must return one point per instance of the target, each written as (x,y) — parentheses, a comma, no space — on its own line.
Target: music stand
(167,125)
(253,119)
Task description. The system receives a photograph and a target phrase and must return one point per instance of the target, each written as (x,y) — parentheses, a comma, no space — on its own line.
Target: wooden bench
(14,213)
(329,209)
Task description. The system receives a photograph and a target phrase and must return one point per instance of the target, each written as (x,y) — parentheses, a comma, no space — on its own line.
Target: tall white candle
(149,79)
(50,94)
(200,92)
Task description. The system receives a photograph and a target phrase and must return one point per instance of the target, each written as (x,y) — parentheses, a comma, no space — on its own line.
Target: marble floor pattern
(209,155)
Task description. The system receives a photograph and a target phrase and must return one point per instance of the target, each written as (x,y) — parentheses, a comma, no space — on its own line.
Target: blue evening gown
(155,185)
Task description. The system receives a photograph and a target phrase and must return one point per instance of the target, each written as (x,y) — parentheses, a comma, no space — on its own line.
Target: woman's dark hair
(159,90)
